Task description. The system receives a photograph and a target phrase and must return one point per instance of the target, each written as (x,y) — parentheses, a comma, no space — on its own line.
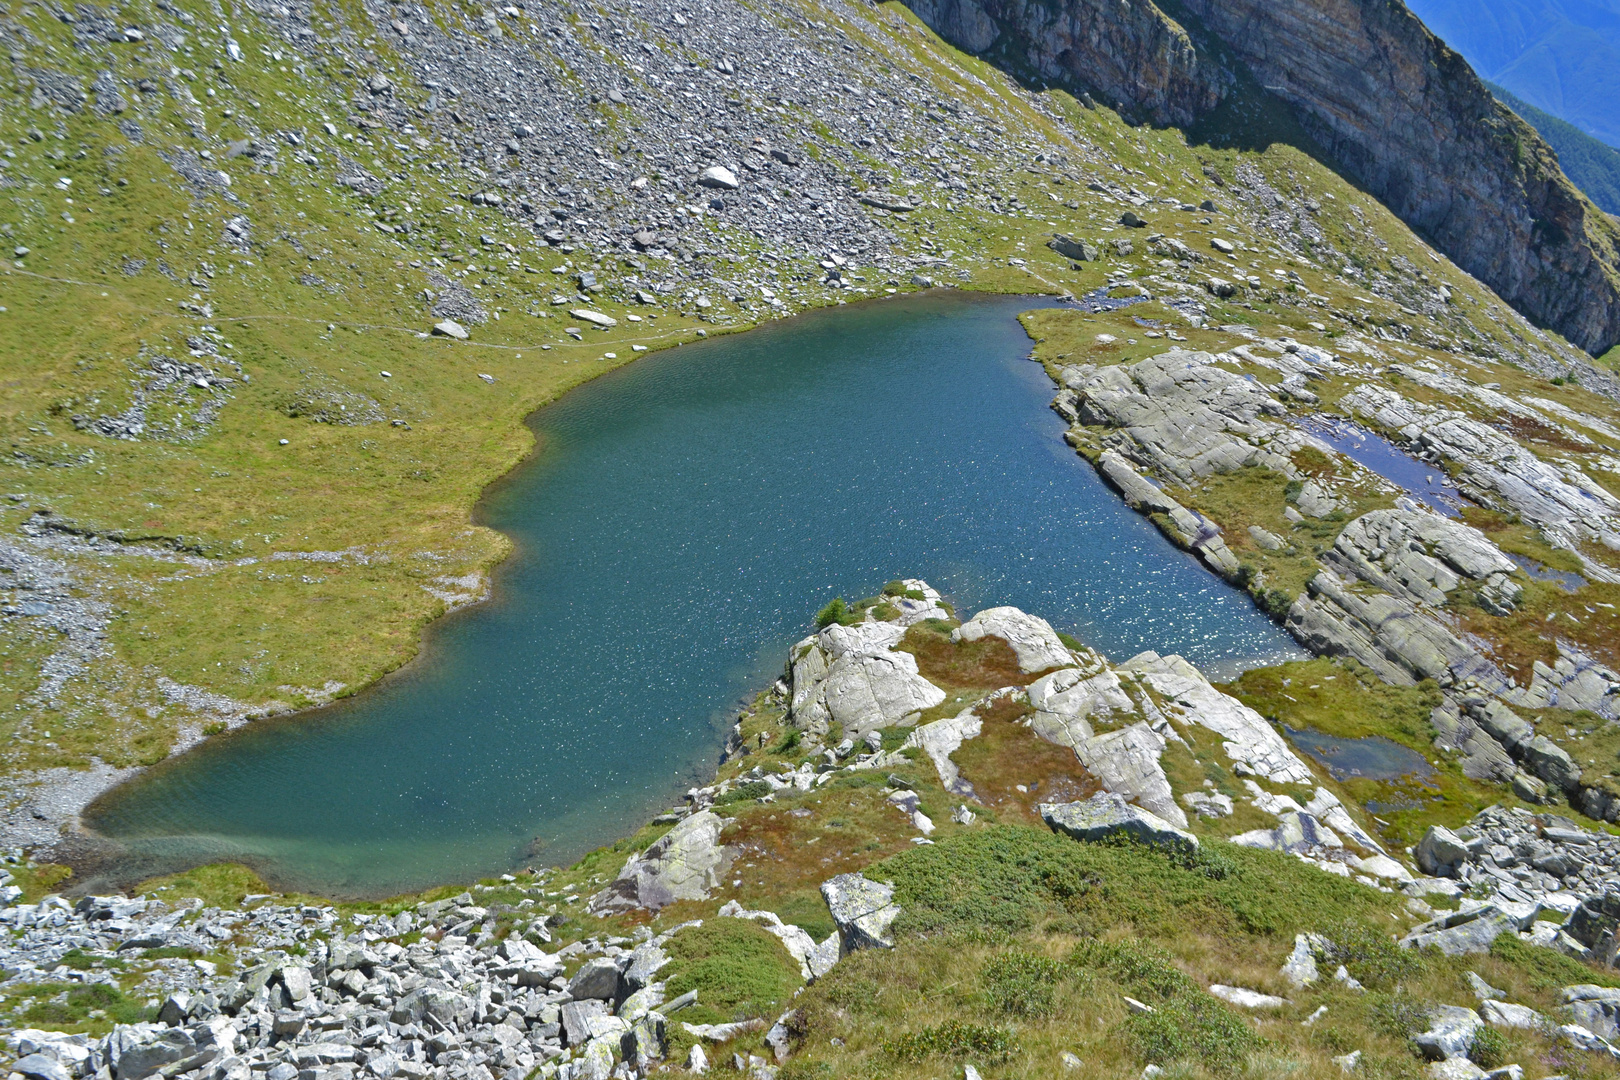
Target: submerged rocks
(683,864)
(1106,814)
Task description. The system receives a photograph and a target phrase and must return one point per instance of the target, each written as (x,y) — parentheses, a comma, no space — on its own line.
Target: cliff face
(1130,53)
(1397,109)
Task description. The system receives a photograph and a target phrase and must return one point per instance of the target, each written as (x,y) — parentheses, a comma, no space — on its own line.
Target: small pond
(1371,450)
(1370,758)
(1565,579)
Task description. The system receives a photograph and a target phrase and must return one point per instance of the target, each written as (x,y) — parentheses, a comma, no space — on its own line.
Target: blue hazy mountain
(1561,56)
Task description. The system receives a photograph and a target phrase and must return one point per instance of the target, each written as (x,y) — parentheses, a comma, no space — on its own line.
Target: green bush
(898,588)
(1011,878)
(1489,1049)
(739,970)
(78,960)
(953,1039)
(1398,1015)
(1142,970)
(1548,969)
(1194,1028)
(750,789)
(171,952)
(1276,602)
(837,611)
(1372,956)
(75,1008)
(1022,983)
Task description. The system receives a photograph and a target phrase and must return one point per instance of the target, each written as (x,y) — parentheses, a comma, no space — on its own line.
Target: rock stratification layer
(1395,108)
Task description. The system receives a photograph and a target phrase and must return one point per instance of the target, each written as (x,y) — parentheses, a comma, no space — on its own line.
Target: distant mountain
(1594,166)
(1561,56)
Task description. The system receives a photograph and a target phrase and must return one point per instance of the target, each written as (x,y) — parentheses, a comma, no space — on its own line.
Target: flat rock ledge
(1106,814)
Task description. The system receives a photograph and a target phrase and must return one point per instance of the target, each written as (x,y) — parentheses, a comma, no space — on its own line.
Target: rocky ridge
(1383,592)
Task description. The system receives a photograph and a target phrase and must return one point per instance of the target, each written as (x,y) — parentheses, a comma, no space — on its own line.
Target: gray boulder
(1441,852)
(577,1017)
(863,911)
(134,1051)
(1546,759)
(1461,933)
(1106,814)
(598,980)
(440,1002)
(1451,1033)
(40,1067)
(1070,248)
(1597,921)
(645,962)
(683,864)
(1032,639)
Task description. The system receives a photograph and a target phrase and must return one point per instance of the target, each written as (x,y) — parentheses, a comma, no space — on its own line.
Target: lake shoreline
(84,852)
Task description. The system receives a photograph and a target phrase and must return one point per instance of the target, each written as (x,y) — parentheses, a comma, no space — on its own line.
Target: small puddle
(1370,758)
(1098,300)
(1567,580)
(1421,480)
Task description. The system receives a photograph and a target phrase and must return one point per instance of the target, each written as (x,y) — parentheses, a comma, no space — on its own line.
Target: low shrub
(1489,1049)
(837,611)
(1012,878)
(1372,956)
(1194,1028)
(1548,969)
(1398,1015)
(1140,969)
(953,1039)
(739,970)
(1022,984)
(750,789)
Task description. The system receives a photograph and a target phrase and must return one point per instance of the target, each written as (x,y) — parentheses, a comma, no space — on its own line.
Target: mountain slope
(192,378)
(1562,56)
(1594,166)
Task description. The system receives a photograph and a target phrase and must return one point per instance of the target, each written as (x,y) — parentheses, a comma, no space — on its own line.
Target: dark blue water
(1371,758)
(682,521)
(1567,580)
(1421,480)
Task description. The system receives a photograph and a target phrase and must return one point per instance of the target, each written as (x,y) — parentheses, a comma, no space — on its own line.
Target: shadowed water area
(682,519)
(1373,757)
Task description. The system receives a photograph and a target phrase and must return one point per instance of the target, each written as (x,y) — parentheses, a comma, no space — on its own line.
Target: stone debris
(313,996)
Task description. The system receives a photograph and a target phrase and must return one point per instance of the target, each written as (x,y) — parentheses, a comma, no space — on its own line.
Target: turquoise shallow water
(683,519)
